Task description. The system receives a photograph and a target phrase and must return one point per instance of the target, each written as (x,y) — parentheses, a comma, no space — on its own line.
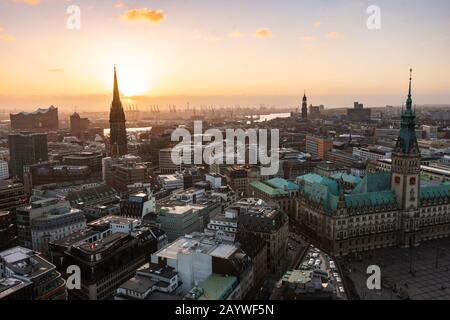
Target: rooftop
(176,210)
(157,269)
(25,262)
(187,245)
(139,284)
(267,189)
(102,244)
(217,287)
(74,237)
(280,183)
(224,251)
(10,285)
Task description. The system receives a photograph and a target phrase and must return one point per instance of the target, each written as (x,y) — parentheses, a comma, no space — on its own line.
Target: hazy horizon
(101,103)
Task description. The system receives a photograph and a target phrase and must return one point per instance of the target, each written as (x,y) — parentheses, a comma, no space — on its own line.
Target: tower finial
(410,80)
(409,100)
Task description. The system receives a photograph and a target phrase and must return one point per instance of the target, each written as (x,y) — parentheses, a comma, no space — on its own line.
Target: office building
(151,282)
(318,147)
(138,205)
(166,165)
(4,170)
(91,159)
(359,113)
(271,226)
(8,234)
(15,289)
(26,149)
(45,220)
(30,267)
(200,259)
(179,220)
(171,181)
(108,254)
(49,172)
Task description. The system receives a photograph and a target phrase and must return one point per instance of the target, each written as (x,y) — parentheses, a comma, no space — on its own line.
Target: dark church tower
(305,107)
(118,134)
(406,174)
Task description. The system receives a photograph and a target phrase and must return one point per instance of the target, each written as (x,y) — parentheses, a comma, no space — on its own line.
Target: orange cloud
(4,36)
(334,35)
(56,70)
(29,2)
(263,33)
(235,34)
(309,38)
(155,16)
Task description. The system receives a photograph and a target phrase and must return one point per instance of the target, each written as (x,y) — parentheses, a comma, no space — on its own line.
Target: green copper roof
(321,193)
(348,178)
(313,178)
(407,140)
(433,192)
(370,199)
(374,182)
(373,190)
(280,183)
(321,190)
(265,188)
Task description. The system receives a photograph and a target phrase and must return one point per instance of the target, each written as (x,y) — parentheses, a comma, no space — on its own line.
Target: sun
(133,82)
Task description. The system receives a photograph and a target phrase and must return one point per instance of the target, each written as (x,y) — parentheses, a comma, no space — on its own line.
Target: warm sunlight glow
(133,82)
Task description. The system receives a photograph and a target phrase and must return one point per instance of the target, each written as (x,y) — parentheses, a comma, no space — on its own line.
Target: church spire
(118,135)
(305,106)
(407,140)
(116,96)
(409,100)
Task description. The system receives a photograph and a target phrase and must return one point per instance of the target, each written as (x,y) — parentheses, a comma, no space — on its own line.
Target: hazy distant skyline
(248,52)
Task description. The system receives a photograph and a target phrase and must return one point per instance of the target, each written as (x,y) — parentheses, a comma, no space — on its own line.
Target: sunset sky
(251,48)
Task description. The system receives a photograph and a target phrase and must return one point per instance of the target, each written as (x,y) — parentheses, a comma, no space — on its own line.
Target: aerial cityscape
(182,152)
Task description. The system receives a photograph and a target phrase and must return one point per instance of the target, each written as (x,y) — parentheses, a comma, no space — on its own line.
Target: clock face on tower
(397,180)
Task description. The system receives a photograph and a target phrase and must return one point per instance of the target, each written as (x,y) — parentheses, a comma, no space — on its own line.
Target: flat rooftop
(75,237)
(25,262)
(115,220)
(159,270)
(177,210)
(187,245)
(102,244)
(224,251)
(139,284)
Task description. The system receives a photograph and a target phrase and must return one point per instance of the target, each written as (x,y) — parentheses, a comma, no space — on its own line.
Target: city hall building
(385,209)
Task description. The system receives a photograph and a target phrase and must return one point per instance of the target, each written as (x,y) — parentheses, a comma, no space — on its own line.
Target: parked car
(341,289)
